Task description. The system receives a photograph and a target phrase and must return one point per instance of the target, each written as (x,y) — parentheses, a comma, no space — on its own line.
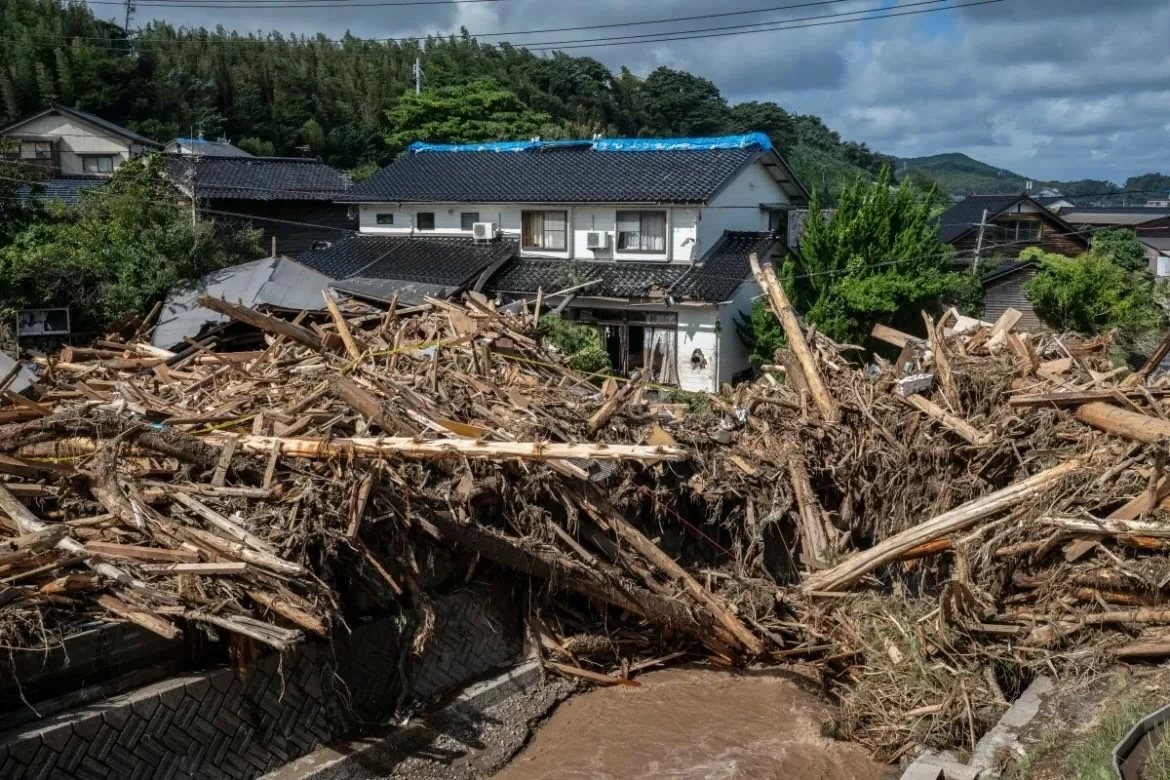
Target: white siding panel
(737,206)
(75,139)
(698,349)
(733,353)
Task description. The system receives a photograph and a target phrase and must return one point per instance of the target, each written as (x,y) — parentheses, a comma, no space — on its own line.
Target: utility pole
(130,8)
(418,75)
(979,241)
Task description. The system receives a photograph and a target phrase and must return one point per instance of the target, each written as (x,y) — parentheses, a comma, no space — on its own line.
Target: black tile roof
(450,262)
(558,174)
(525,275)
(965,215)
(65,190)
(258,178)
(725,267)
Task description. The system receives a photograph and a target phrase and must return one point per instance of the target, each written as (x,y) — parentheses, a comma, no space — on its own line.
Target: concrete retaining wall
(219,724)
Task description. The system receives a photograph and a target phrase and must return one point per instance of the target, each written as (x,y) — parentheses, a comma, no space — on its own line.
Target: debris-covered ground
(925,534)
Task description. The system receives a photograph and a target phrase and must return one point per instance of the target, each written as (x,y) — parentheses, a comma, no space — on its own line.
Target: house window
(36,150)
(425,220)
(545,230)
(98,163)
(1023,230)
(467,220)
(385,219)
(641,231)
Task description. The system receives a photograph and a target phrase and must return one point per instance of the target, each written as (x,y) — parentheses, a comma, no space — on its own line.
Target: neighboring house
(650,238)
(292,199)
(1155,237)
(201,147)
(989,232)
(65,142)
(1098,217)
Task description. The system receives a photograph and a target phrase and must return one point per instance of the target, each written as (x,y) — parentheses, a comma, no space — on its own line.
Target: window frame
(464,224)
(97,158)
(526,235)
(1011,229)
(418,219)
(384,218)
(642,214)
(37,152)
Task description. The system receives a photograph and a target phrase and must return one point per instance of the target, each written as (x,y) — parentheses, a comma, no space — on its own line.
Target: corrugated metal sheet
(273,281)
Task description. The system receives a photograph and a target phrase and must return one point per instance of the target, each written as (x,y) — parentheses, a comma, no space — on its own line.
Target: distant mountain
(958,174)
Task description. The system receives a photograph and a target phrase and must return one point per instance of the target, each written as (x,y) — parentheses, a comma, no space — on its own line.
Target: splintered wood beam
(264,322)
(766,277)
(1122,422)
(1081,397)
(342,326)
(369,447)
(942,363)
(948,420)
(142,617)
(946,524)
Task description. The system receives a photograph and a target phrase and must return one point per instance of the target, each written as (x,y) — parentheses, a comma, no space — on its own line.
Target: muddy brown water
(693,724)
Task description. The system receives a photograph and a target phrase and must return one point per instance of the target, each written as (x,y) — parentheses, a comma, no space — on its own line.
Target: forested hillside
(959,174)
(343,100)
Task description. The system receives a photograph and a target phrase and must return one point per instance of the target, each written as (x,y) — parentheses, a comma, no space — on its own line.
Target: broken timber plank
(1081,397)
(948,420)
(136,553)
(264,322)
(468,448)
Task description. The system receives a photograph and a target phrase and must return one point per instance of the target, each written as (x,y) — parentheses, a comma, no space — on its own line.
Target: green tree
(1122,247)
(875,259)
(120,250)
(257,147)
(581,344)
(1091,293)
(680,103)
(479,111)
(767,118)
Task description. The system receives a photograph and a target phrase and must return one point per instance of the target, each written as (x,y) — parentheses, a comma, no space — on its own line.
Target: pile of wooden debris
(921,532)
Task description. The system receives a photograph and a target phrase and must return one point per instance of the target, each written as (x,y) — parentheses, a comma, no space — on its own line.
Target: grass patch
(1091,757)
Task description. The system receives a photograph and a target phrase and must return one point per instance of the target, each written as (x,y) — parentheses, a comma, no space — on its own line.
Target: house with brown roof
(989,232)
(646,240)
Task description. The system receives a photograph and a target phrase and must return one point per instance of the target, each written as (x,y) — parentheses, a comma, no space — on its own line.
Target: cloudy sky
(1053,89)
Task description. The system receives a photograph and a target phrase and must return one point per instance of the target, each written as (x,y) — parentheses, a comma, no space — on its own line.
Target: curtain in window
(659,350)
(545,230)
(653,231)
(629,226)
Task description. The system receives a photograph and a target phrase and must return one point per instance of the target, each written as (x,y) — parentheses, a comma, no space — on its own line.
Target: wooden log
(1122,422)
(222,524)
(287,609)
(636,539)
(814,539)
(363,402)
(942,364)
(265,322)
(957,519)
(217,567)
(135,553)
(1155,358)
(242,553)
(1151,649)
(72,583)
(142,617)
(28,523)
(467,448)
(1081,397)
(766,278)
(948,420)
(342,326)
(1108,527)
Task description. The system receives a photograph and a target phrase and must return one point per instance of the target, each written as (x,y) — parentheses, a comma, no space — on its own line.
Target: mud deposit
(693,724)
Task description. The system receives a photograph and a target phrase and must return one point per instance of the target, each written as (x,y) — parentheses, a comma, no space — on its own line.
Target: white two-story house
(648,240)
(68,150)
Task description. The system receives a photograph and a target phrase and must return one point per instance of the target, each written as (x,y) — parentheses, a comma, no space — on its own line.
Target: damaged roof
(258,178)
(65,189)
(713,279)
(375,266)
(683,170)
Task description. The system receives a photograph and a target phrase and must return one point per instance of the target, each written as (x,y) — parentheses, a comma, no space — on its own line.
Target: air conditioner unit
(483,231)
(597,239)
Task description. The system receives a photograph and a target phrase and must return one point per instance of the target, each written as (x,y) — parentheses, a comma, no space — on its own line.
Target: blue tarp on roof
(609,144)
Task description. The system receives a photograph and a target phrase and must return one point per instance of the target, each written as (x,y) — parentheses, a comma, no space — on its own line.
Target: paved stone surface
(221,725)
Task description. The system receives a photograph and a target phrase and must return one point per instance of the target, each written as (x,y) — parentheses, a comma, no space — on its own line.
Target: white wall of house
(681,226)
(75,141)
(733,353)
(698,348)
(737,206)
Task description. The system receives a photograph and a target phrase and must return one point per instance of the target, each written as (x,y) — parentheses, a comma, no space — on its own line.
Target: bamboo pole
(783,310)
(957,519)
(410,447)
